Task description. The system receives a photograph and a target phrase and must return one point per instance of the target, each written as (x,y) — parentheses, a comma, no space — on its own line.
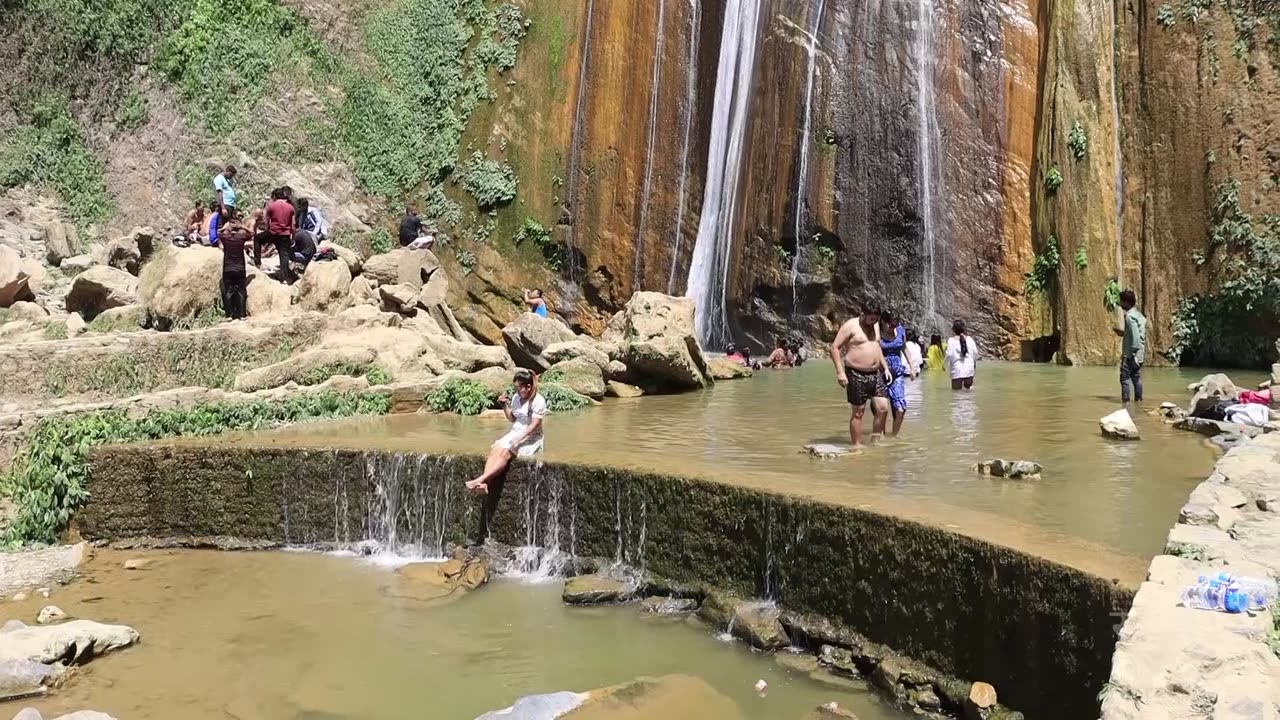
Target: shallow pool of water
(1103,506)
(292,636)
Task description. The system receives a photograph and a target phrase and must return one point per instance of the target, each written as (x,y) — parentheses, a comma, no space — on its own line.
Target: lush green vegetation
(462,396)
(317,375)
(560,398)
(47,480)
(1229,325)
(1165,15)
(1044,268)
(55,330)
(1111,295)
(533,231)
(1078,141)
(50,152)
(1081,258)
(490,182)
(1053,179)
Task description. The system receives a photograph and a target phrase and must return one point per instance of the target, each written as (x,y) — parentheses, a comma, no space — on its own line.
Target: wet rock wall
(1040,632)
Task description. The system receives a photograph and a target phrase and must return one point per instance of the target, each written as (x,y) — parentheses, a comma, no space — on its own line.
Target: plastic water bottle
(1224,598)
(1259,593)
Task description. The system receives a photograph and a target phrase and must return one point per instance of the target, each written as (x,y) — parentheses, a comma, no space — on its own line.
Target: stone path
(1177,662)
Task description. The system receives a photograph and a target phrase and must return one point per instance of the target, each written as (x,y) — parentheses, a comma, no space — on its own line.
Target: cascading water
(408,509)
(575,149)
(927,126)
(651,140)
(709,272)
(802,173)
(691,88)
(1118,157)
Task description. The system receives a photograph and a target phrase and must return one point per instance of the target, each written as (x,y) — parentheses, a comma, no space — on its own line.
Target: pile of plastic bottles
(1228,593)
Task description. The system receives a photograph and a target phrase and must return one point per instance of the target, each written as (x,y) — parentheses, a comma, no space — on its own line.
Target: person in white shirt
(915,354)
(525,411)
(961,358)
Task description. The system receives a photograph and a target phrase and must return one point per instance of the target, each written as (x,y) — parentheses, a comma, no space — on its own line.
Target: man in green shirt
(1133,351)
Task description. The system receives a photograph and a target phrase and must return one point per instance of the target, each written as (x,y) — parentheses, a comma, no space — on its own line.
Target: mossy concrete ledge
(1041,632)
(1179,662)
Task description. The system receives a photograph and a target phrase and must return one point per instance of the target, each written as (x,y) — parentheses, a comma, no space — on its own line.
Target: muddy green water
(294,636)
(1103,506)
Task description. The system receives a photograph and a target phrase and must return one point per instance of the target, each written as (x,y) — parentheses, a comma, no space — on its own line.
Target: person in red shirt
(279,217)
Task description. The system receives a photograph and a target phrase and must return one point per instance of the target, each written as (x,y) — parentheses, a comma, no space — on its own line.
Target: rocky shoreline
(1173,661)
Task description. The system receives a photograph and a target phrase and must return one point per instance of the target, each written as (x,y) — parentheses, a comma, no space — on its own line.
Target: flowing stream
(802,174)
(650,142)
(928,138)
(712,253)
(690,110)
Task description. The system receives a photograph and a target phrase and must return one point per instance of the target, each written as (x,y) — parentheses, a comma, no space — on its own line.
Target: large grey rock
(448,354)
(15,277)
(413,267)
(60,240)
(579,348)
(650,315)
(400,298)
(101,288)
(539,707)
(69,642)
(1212,428)
(29,311)
(592,589)
(178,284)
(1119,426)
(77,264)
(722,368)
(758,624)
(20,677)
(346,255)
(529,335)
(667,364)
(267,296)
(126,318)
(579,375)
(34,568)
(1211,388)
(614,388)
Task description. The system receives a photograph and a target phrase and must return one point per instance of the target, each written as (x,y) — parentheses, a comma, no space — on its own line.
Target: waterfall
(407,511)
(575,150)
(541,558)
(1118,158)
(927,111)
(802,174)
(651,140)
(691,89)
(709,273)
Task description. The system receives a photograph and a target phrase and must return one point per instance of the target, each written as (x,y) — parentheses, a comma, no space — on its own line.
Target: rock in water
(50,613)
(613,388)
(830,711)
(21,677)
(757,623)
(581,376)
(593,589)
(1119,426)
(668,605)
(67,642)
(723,368)
(1211,388)
(827,451)
(1012,469)
(538,707)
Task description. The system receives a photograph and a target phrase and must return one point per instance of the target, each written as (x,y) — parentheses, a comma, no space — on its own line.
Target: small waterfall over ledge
(802,173)
(691,91)
(651,138)
(709,272)
(928,139)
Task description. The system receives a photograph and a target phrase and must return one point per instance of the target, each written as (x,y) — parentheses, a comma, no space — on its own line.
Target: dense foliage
(462,396)
(50,152)
(48,475)
(1078,141)
(1233,324)
(1053,179)
(1081,258)
(533,231)
(1044,268)
(490,182)
(560,398)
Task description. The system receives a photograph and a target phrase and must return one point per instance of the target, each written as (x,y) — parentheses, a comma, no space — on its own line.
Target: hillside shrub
(51,153)
(462,396)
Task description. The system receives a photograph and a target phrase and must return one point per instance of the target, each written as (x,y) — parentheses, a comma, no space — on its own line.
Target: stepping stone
(827,451)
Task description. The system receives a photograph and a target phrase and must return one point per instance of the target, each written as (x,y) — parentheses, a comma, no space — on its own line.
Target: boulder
(180,283)
(401,298)
(613,388)
(1119,426)
(539,707)
(50,613)
(1213,428)
(616,370)
(668,605)
(667,364)
(325,287)
(449,354)
(722,368)
(363,292)
(529,335)
(101,288)
(494,379)
(76,325)
(345,254)
(579,375)
(21,678)
(592,589)
(267,296)
(435,291)
(29,311)
(1210,388)
(561,351)
(77,264)
(886,675)
(360,317)
(123,254)
(982,698)
(757,623)
(297,368)
(14,277)
(68,643)
(1012,469)
(827,451)
(413,267)
(126,318)
(60,240)
(650,315)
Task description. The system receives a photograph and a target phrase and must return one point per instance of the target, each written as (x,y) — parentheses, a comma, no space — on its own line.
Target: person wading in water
(893,343)
(525,411)
(861,370)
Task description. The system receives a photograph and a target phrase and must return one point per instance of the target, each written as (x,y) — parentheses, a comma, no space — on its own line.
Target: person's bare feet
(478,487)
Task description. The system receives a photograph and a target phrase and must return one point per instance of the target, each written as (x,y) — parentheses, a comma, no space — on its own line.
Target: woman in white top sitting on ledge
(526,412)
(961,359)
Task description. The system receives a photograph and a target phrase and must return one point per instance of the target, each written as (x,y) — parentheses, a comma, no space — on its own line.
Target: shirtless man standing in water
(862,371)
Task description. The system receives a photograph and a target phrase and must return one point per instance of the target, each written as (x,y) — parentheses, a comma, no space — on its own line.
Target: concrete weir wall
(1041,633)
(1176,662)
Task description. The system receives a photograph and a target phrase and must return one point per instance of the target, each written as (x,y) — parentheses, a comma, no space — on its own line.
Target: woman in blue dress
(893,341)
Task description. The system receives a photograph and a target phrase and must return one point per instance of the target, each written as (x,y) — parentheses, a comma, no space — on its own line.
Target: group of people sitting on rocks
(287,227)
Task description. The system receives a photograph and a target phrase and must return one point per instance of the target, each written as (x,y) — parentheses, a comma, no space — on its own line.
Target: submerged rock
(668,605)
(539,707)
(50,613)
(613,388)
(592,589)
(723,368)
(830,711)
(33,714)
(1119,426)
(673,696)
(757,624)
(23,678)
(67,642)
(827,451)
(1012,469)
